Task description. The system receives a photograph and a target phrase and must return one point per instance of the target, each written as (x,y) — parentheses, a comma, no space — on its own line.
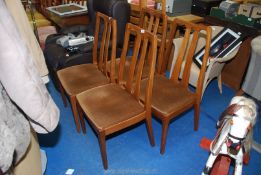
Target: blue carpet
(129,152)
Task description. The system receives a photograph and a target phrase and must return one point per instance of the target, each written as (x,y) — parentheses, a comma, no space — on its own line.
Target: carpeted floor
(129,152)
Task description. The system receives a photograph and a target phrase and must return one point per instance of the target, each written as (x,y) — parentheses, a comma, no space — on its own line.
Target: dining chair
(215,65)
(114,107)
(173,96)
(155,22)
(76,79)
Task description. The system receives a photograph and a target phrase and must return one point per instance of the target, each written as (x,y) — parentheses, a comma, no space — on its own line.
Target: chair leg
(101,136)
(81,118)
(62,94)
(75,113)
(150,131)
(196,115)
(220,84)
(165,125)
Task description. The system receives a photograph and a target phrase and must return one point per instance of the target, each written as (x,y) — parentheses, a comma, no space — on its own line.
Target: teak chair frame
(175,83)
(101,51)
(155,22)
(144,46)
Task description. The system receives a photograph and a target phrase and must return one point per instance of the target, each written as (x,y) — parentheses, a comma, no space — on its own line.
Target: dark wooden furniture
(63,21)
(234,71)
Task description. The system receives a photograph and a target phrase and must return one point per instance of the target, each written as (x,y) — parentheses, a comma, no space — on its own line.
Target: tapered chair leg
(196,115)
(62,94)
(165,125)
(150,131)
(75,113)
(81,116)
(101,136)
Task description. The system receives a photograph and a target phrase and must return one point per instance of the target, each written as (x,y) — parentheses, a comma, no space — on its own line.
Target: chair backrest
(104,46)
(117,9)
(155,22)
(185,53)
(145,44)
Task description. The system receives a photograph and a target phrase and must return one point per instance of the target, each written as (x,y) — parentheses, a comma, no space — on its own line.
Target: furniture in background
(171,97)
(136,7)
(81,2)
(215,64)
(202,7)
(178,7)
(252,81)
(234,71)
(57,57)
(76,79)
(62,18)
(112,107)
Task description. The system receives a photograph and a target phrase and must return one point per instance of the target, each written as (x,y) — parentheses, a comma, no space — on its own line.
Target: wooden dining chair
(113,107)
(173,96)
(78,78)
(155,22)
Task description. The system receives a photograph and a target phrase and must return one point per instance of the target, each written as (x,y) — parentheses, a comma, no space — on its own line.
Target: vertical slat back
(105,44)
(181,55)
(187,51)
(134,57)
(189,58)
(105,23)
(145,45)
(156,22)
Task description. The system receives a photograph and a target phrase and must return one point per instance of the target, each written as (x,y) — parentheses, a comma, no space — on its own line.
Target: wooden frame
(136,9)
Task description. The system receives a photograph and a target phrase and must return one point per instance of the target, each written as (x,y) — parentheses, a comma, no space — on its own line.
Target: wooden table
(189,18)
(62,21)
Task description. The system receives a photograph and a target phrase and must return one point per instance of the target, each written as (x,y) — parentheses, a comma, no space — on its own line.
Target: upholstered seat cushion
(78,78)
(166,94)
(109,105)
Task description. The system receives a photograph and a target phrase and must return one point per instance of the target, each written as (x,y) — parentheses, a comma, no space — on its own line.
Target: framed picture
(221,45)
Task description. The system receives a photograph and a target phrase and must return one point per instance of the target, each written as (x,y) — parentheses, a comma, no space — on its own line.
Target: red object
(43,32)
(246,159)
(205,143)
(221,165)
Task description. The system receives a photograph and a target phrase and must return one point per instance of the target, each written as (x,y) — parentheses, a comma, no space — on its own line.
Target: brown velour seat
(78,78)
(113,107)
(171,97)
(155,22)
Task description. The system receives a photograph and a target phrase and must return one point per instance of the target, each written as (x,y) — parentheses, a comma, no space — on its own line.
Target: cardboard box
(256,12)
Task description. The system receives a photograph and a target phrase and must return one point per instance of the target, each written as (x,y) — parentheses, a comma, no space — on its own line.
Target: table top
(188,17)
(65,10)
